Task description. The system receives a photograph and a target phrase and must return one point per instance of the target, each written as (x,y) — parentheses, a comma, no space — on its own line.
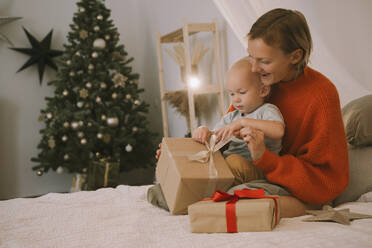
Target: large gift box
(189,172)
(103,173)
(235,213)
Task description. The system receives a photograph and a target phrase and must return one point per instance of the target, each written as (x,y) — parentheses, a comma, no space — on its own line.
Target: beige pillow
(357,117)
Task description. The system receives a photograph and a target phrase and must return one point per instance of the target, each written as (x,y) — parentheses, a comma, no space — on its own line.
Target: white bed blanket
(121,217)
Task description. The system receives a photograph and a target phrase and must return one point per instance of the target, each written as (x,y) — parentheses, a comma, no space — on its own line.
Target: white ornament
(94,55)
(96,28)
(103,117)
(68,62)
(88,85)
(89,124)
(128,148)
(103,85)
(74,125)
(83,141)
(81,9)
(114,95)
(99,135)
(49,115)
(112,121)
(80,134)
(59,170)
(100,17)
(98,99)
(90,67)
(66,157)
(135,129)
(72,73)
(77,53)
(137,102)
(107,37)
(64,138)
(66,124)
(81,123)
(128,96)
(99,43)
(65,93)
(80,104)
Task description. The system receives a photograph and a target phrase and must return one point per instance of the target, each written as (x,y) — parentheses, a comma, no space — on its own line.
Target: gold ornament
(103,117)
(100,17)
(88,85)
(107,138)
(107,37)
(103,85)
(94,55)
(119,80)
(77,53)
(98,154)
(68,62)
(66,124)
(98,99)
(74,125)
(117,55)
(41,117)
(99,136)
(83,141)
(66,157)
(96,28)
(72,74)
(114,95)
(112,121)
(64,138)
(128,96)
(81,9)
(81,123)
(135,129)
(90,67)
(83,34)
(137,102)
(80,134)
(65,93)
(83,93)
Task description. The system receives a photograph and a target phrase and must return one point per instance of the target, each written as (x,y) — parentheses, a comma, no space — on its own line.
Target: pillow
(357,117)
(360,164)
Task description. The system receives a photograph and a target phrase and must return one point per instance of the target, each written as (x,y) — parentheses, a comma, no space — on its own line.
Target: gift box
(189,172)
(235,213)
(103,174)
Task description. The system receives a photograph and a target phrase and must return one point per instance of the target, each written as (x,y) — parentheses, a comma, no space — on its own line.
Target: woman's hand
(227,131)
(201,134)
(255,141)
(158,151)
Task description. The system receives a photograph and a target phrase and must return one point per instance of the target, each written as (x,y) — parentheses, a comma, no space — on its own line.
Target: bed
(122,217)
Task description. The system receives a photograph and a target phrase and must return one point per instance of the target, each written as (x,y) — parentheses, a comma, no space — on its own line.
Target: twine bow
(207,155)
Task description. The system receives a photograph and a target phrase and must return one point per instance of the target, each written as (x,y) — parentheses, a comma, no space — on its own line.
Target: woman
(312,167)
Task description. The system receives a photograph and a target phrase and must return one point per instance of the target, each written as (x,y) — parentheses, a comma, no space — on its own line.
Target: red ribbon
(232,199)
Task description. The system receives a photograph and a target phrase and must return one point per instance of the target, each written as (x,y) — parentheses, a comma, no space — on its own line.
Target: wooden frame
(183,35)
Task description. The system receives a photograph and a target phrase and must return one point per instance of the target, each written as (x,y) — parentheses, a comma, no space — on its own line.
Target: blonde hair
(285,29)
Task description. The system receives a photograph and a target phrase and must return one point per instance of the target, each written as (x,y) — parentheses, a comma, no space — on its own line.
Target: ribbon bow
(207,155)
(232,199)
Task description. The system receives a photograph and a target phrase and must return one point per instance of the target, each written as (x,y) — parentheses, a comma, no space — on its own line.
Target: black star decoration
(40,53)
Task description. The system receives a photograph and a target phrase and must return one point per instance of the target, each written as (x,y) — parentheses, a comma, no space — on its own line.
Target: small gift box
(235,213)
(103,174)
(189,172)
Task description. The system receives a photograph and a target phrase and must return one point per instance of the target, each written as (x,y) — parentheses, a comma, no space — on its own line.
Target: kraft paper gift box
(242,215)
(184,181)
(103,174)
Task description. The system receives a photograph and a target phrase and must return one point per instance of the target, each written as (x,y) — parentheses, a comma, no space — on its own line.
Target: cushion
(357,117)
(360,161)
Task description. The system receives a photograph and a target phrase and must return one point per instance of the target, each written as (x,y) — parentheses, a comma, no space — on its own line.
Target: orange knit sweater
(313,163)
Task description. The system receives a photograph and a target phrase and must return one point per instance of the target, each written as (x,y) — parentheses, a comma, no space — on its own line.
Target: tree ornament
(107,138)
(64,138)
(83,93)
(96,28)
(103,85)
(88,85)
(98,154)
(83,141)
(103,117)
(40,53)
(81,9)
(80,134)
(77,53)
(41,117)
(83,34)
(114,95)
(89,124)
(91,67)
(112,121)
(137,102)
(100,17)
(65,93)
(74,125)
(94,55)
(59,170)
(99,43)
(81,123)
(107,37)
(98,99)
(99,135)
(135,129)
(66,157)
(51,142)
(40,172)
(80,104)
(128,148)
(68,62)
(128,96)
(49,115)
(71,74)
(66,124)
(119,80)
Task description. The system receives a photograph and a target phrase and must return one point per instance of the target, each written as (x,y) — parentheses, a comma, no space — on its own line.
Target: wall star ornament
(40,53)
(342,216)
(5,20)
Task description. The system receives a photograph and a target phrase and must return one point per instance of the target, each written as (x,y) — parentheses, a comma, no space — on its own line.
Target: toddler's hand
(227,131)
(158,151)
(255,142)
(201,134)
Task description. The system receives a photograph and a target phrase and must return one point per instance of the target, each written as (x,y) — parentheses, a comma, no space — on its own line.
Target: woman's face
(271,63)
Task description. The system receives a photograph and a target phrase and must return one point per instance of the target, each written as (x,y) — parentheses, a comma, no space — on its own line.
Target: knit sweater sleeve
(317,170)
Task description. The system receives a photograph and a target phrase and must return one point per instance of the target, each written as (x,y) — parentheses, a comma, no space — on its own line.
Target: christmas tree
(96,112)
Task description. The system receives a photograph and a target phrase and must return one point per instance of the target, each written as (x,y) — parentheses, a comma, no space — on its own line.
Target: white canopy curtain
(341,32)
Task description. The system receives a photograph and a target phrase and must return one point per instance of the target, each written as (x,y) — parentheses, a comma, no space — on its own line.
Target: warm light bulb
(194,82)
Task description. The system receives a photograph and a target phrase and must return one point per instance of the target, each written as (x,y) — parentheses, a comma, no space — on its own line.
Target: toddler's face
(244,89)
